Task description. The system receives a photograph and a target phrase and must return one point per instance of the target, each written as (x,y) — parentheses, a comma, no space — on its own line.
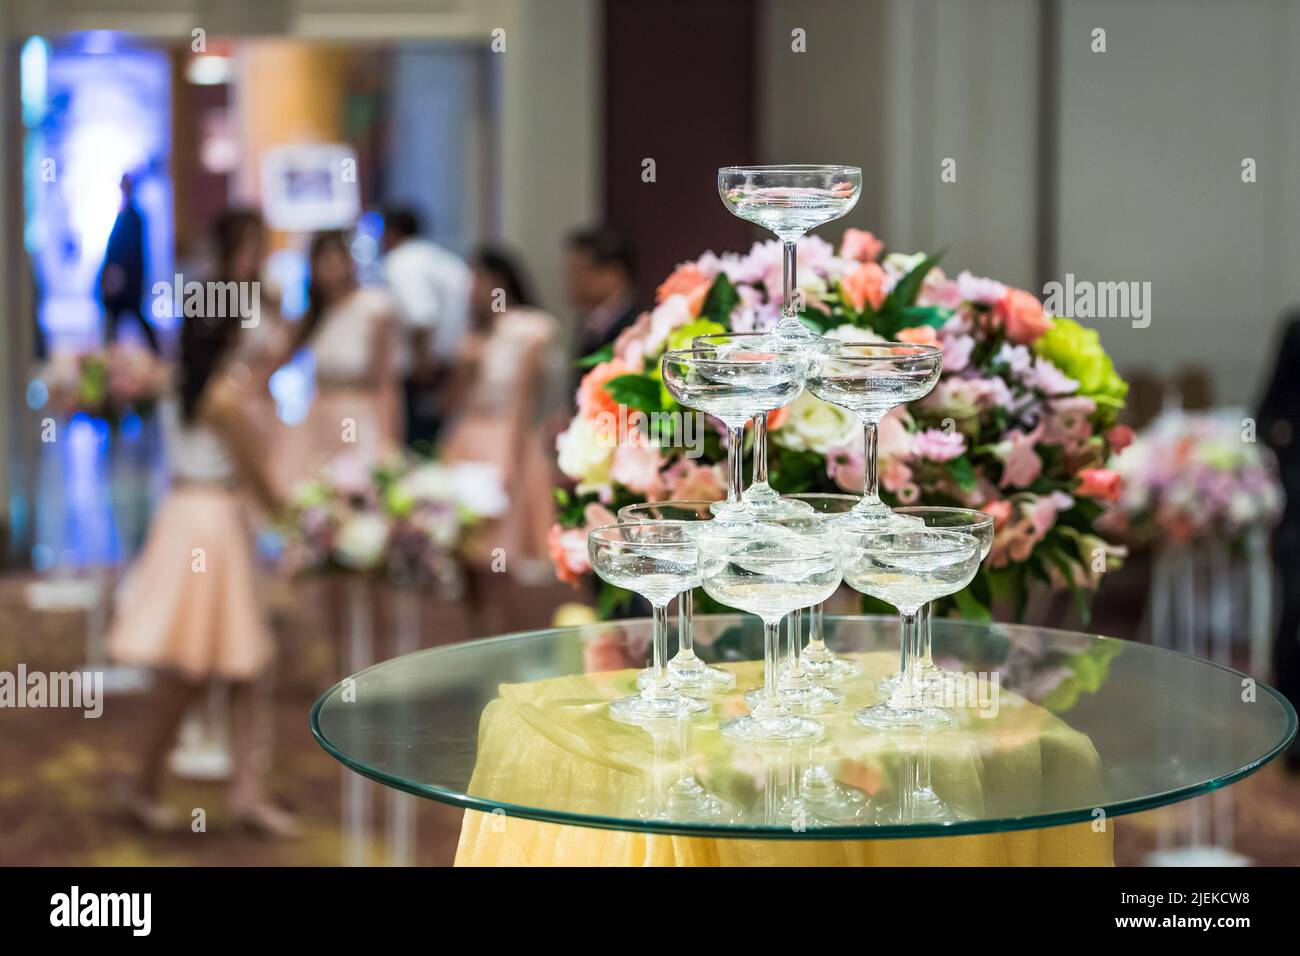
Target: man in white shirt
(431,288)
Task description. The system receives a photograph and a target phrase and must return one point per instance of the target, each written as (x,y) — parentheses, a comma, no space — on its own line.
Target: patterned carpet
(61,771)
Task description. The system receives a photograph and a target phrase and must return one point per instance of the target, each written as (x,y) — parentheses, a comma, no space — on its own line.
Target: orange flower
(1022,316)
(864,284)
(919,335)
(861,245)
(593,400)
(1000,510)
(1119,437)
(776,418)
(567,549)
(689,280)
(1100,483)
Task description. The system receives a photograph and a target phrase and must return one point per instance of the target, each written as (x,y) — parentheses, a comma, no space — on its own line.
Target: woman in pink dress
(507,381)
(351,333)
(189,607)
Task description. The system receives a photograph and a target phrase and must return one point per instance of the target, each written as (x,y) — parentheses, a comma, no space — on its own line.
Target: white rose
(361,541)
(429,482)
(855,335)
(817,426)
(585,454)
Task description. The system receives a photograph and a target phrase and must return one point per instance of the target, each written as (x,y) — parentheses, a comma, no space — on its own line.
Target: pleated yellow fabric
(551,744)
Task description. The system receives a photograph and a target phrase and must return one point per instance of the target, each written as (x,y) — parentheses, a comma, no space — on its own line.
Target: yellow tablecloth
(551,743)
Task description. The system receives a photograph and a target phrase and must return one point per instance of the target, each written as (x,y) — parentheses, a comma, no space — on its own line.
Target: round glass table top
(1050,727)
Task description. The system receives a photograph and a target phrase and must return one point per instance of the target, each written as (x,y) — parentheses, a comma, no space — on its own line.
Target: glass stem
(790,261)
(660,686)
(735,463)
(870,479)
(815,636)
(925,656)
(796,634)
(760,448)
(686,624)
(923,769)
(771,649)
(906,693)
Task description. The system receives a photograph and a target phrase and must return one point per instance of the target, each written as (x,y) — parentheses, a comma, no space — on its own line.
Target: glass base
(932,682)
(794,332)
(692,674)
(772,727)
(804,698)
(874,520)
(922,807)
(799,815)
(687,801)
(762,501)
(887,717)
(640,709)
(826,668)
(829,798)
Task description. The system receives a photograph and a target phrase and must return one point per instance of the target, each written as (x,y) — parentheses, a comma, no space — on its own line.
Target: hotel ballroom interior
(340,335)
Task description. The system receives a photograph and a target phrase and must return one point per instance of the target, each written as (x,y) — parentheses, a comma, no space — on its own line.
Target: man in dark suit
(598,275)
(121,280)
(1279,427)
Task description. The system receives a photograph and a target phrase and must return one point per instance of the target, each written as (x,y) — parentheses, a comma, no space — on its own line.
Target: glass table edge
(749,832)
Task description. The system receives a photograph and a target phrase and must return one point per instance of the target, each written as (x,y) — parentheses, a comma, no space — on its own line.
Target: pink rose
(687,480)
(860,245)
(1119,437)
(1022,316)
(894,475)
(593,400)
(1000,510)
(919,335)
(687,279)
(1100,483)
(636,466)
(864,284)
(567,548)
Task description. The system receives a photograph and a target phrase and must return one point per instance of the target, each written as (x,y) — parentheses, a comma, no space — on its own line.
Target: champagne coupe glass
(789,201)
(685,670)
(871,380)
(967,521)
(908,568)
(658,560)
(760,497)
(733,386)
(770,572)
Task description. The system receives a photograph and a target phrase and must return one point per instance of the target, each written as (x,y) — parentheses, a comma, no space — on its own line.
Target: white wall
(1153,133)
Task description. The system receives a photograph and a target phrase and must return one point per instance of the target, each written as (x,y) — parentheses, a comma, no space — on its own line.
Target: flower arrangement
(401,520)
(106,383)
(1187,477)
(1021,423)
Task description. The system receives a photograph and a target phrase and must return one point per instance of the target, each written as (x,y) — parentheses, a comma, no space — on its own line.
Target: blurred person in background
(1279,427)
(431,287)
(352,334)
(510,372)
(598,268)
(189,607)
(121,279)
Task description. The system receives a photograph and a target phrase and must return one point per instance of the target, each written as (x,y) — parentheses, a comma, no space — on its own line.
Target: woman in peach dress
(499,402)
(351,333)
(189,607)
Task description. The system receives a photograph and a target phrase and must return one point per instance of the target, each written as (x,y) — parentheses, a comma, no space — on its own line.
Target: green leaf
(918,315)
(611,601)
(721,300)
(602,354)
(970,608)
(962,471)
(635,391)
(903,295)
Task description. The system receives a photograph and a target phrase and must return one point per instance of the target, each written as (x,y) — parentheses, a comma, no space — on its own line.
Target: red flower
(1100,483)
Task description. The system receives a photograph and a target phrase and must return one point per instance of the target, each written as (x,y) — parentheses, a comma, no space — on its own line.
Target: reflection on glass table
(1049,728)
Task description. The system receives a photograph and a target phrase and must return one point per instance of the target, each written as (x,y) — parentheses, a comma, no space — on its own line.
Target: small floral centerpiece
(107,383)
(402,520)
(1188,477)
(1021,423)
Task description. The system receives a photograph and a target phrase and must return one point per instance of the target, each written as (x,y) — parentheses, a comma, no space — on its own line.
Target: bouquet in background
(1021,423)
(1188,477)
(402,520)
(107,383)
